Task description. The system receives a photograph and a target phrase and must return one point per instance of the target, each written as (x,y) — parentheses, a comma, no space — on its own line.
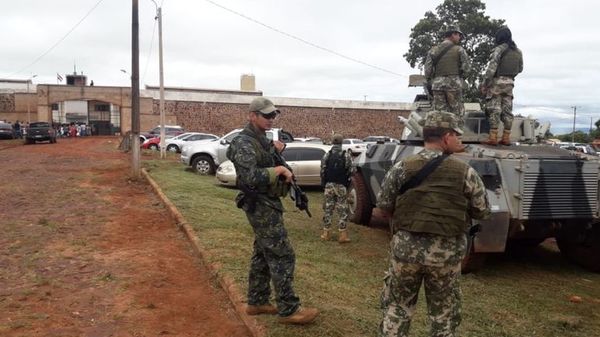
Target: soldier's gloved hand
(282,171)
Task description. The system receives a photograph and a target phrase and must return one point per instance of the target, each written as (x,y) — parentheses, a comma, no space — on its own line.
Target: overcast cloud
(206,46)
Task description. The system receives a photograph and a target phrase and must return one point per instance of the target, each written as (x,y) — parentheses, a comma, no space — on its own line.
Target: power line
(305,41)
(149,52)
(59,41)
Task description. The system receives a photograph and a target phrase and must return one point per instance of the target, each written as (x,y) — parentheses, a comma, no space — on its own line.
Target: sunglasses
(272,115)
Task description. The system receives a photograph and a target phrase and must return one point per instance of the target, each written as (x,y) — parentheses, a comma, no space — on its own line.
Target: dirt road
(86,251)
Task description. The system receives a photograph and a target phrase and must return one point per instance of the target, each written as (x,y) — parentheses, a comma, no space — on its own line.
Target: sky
(330,49)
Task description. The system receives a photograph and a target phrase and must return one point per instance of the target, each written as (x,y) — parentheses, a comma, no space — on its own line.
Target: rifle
(296,193)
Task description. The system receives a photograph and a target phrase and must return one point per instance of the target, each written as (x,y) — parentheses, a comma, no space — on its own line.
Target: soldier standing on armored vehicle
(430,209)
(336,170)
(506,62)
(445,67)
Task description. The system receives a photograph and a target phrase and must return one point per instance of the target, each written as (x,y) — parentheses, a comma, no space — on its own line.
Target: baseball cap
(441,119)
(337,139)
(263,105)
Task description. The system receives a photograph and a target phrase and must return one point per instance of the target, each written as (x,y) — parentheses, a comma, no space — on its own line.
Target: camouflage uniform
(499,95)
(335,194)
(447,90)
(273,257)
(432,259)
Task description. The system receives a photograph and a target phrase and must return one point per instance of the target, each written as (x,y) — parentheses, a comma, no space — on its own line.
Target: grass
(526,295)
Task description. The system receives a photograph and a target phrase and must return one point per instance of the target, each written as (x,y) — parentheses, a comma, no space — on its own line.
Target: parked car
(205,157)
(7,131)
(170,130)
(355,146)
(40,131)
(176,143)
(309,140)
(303,158)
(151,144)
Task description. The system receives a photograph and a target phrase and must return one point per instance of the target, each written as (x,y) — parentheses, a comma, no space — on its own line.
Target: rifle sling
(425,171)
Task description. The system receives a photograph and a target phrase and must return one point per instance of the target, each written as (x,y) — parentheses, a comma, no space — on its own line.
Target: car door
(307,165)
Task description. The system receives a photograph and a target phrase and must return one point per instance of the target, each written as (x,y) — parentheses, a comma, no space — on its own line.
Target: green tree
(580,137)
(479,29)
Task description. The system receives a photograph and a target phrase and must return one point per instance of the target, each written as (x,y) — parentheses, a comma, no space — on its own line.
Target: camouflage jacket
(489,78)
(453,82)
(254,165)
(474,190)
(348,158)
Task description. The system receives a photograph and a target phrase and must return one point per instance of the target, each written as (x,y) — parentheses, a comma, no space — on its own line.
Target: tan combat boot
(301,316)
(325,234)
(261,309)
(493,138)
(505,138)
(343,236)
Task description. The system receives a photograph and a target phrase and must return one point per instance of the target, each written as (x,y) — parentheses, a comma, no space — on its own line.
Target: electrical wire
(305,41)
(59,41)
(149,51)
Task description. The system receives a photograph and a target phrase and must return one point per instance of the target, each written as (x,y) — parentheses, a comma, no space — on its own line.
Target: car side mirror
(224,142)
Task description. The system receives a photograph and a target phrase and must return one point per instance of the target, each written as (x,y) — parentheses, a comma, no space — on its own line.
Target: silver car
(303,158)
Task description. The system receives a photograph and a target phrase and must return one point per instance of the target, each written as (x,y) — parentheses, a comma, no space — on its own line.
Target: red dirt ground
(87,251)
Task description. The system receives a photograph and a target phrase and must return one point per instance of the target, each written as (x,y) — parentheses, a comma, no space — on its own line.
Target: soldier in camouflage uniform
(262,184)
(506,62)
(445,67)
(429,224)
(336,170)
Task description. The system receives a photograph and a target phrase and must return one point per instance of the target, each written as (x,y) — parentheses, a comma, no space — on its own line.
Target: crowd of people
(73,130)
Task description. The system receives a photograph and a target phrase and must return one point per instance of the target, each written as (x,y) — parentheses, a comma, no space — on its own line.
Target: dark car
(40,131)
(170,131)
(6,131)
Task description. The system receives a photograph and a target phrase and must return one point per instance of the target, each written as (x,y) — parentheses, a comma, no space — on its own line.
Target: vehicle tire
(153,147)
(472,261)
(173,148)
(359,201)
(580,243)
(142,140)
(204,165)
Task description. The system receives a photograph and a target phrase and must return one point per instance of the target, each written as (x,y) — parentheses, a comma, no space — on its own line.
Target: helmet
(503,35)
(337,139)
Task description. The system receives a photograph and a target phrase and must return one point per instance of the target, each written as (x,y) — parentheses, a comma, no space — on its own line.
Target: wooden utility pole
(135,90)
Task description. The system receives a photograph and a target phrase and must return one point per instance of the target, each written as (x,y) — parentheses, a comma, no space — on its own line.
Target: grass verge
(525,295)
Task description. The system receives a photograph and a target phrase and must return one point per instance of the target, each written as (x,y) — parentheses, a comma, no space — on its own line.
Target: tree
(580,137)
(479,31)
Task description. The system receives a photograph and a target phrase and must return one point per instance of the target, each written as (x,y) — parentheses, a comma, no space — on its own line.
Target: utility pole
(161,104)
(29,80)
(135,89)
(574,118)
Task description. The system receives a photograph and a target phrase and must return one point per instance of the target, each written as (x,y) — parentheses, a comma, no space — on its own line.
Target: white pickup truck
(205,156)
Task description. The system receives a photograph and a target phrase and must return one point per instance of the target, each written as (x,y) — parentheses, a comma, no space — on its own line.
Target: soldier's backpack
(335,169)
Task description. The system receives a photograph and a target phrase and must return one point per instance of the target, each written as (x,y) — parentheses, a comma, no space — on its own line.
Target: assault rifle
(297,195)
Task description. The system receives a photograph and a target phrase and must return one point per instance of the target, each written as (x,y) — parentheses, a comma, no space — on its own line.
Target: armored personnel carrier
(535,191)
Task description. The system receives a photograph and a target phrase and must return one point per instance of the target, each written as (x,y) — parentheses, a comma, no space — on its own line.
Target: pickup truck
(205,156)
(40,131)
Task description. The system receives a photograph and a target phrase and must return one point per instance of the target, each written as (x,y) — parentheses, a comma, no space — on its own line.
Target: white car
(304,159)
(175,144)
(205,156)
(355,146)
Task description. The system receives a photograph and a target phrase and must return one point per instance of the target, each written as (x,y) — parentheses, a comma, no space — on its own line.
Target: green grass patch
(511,296)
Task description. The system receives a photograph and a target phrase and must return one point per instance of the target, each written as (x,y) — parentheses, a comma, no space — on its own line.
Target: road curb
(230,288)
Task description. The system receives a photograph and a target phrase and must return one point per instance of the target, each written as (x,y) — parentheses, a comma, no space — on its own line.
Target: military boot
(343,236)
(261,309)
(505,138)
(493,138)
(325,234)
(301,316)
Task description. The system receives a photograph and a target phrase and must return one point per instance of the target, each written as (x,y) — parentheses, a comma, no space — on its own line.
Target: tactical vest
(335,168)
(449,63)
(438,204)
(509,64)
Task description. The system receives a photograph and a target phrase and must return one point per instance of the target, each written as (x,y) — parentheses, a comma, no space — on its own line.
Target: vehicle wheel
(580,243)
(173,148)
(472,261)
(142,140)
(359,201)
(153,147)
(204,165)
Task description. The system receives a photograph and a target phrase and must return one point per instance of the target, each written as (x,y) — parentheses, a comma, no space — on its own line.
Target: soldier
(429,221)
(506,62)
(336,170)
(262,184)
(445,67)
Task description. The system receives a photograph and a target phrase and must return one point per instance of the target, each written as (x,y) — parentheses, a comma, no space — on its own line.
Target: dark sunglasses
(272,115)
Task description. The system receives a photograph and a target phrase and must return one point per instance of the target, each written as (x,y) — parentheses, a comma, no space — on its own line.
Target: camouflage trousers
(450,101)
(430,261)
(335,197)
(273,259)
(499,102)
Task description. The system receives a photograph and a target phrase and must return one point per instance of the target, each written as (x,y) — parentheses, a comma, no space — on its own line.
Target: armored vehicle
(535,191)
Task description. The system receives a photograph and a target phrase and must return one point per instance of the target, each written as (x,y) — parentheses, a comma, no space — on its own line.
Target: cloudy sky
(349,49)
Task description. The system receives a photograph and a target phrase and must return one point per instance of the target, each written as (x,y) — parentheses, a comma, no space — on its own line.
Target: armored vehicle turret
(536,191)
